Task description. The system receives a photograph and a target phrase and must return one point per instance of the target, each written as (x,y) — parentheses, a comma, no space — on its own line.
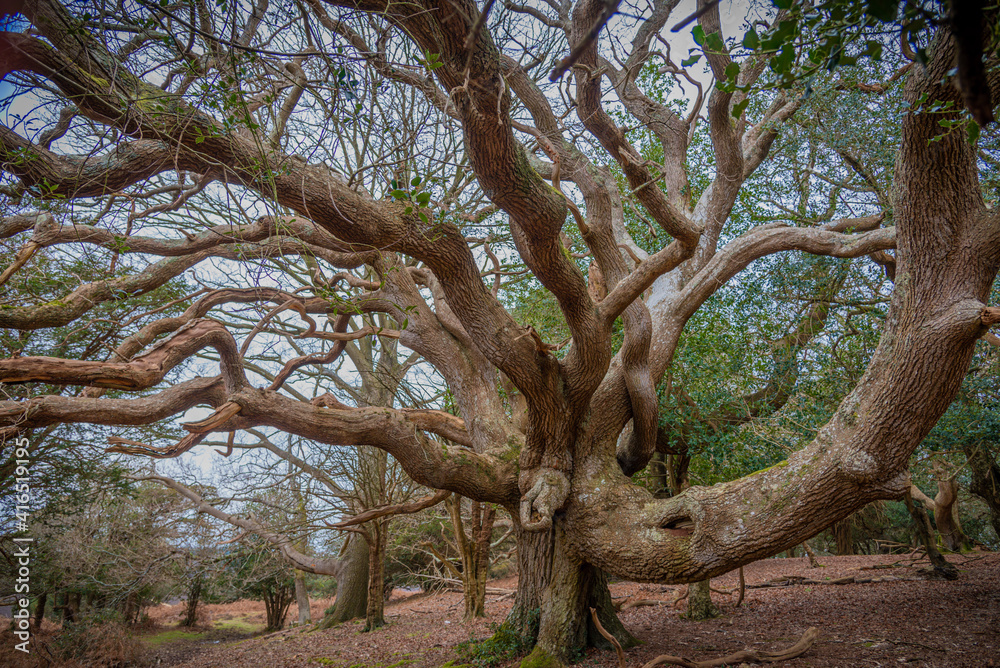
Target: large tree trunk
(352,584)
(555,594)
(302,599)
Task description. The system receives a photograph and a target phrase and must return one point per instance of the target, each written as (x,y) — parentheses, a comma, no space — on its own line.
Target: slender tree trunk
(813,561)
(483,516)
(43,598)
(944,505)
(659,475)
(985,480)
(700,604)
(191,606)
(302,599)
(62,605)
(276,604)
(474,552)
(130,607)
(352,584)
(301,593)
(923,527)
(946,515)
(73,601)
(555,594)
(375,610)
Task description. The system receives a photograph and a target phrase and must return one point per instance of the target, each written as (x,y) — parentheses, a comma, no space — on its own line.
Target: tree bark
(276,604)
(922,524)
(944,505)
(475,553)
(813,561)
(375,610)
(569,588)
(700,606)
(352,584)
(302,599)
(843,533)
(483,517)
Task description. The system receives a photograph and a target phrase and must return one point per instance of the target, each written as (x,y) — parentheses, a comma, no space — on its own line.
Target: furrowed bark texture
(352,584)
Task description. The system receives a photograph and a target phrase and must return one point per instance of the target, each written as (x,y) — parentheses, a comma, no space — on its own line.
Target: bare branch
(394,509)
(283,543)
(142,372)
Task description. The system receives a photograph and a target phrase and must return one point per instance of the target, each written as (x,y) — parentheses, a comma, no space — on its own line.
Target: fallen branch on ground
(452,584)
(639,602)
(789,580)
(798,649)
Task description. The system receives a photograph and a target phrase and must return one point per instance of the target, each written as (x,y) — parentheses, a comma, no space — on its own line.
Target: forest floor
(890,615)
(897,618)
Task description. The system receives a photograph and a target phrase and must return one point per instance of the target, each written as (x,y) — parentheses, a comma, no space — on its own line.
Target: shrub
(100,640)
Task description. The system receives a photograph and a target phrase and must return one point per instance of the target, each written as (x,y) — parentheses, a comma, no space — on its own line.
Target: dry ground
(898,621)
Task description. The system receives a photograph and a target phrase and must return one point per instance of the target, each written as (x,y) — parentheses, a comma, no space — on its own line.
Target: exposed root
(743,588)
(747,655)
(610,638)
(790,580)
(638,603)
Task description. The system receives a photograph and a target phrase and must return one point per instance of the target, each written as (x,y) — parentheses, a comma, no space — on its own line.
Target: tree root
(610,638)
(790,580)
(799,648)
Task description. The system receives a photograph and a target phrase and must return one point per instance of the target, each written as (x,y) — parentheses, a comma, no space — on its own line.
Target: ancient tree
(178,136)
